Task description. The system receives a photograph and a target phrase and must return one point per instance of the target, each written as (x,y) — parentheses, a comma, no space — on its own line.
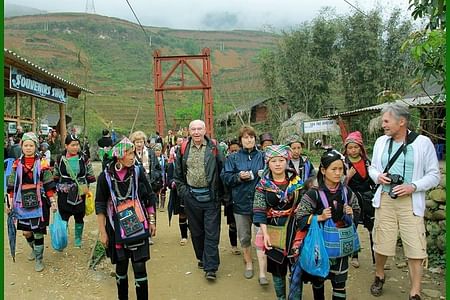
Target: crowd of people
(271,195)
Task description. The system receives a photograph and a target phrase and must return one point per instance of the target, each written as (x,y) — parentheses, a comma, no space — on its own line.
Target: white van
(12,128)
(45,129)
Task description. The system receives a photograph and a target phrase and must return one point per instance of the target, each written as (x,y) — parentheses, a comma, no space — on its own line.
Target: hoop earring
(118,166)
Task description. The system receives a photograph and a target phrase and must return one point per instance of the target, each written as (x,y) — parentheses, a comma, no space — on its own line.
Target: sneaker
(415,297)
(210,275)
(200,264)
(235,250)
(376,289)
(183,242)
(248,273)
(354,262)
(263,281)
(150,241)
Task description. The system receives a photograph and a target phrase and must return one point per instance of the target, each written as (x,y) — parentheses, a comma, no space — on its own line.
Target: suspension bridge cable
(137,19)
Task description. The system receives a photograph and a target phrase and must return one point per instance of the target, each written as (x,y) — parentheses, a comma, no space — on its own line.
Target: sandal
(354,262)
(376,289)
(235,250)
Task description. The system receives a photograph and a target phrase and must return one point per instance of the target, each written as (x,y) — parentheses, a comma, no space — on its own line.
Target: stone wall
(435,221)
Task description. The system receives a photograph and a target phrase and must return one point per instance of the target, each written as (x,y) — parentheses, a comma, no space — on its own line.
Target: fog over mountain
(208,15)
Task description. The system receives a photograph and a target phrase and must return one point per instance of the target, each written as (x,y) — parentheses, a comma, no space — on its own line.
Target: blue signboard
(25,83)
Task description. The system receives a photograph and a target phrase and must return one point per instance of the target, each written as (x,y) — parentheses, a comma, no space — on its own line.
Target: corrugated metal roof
(415,101)
(15,56)
(245,108)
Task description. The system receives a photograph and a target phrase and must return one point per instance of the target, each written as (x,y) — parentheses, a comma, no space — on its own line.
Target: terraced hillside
(114,58)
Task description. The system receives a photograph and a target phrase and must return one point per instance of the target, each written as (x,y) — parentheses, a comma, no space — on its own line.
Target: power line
(356,8)
(145,33)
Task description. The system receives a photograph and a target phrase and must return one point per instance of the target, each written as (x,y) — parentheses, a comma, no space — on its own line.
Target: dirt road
(173,272)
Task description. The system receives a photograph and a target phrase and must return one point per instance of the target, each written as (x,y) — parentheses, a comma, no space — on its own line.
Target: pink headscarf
(355,137)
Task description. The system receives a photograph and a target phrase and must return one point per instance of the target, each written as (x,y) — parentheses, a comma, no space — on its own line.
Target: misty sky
(213,14)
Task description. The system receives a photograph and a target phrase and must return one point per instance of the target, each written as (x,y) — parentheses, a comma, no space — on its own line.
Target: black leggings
(66,216)
(138,268)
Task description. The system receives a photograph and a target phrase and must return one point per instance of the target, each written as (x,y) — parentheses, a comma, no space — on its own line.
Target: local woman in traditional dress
(125,207)
(32,189)
(73,173)
(331,186)
(276,198)
(162,160)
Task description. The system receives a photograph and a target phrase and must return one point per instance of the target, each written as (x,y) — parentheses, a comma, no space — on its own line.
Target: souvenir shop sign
(27,84)
(320,126)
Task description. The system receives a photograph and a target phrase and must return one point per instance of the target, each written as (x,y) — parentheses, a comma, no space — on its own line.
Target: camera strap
(411,137)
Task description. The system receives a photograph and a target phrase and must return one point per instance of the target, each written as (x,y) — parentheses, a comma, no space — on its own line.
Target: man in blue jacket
(241,176)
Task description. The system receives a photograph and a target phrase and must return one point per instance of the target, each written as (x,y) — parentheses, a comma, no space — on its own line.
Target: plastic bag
(58,232)
(90,205)
(314,257)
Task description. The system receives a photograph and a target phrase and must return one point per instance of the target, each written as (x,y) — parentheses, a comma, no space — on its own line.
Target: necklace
(121,197)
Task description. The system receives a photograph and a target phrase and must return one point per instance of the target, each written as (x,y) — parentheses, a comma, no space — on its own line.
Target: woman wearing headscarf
(276,198)
(31,190)
(359,181)
(125,208)
(73,173)
(329,177)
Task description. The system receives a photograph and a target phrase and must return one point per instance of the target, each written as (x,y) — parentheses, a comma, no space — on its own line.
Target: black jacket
(155,175)
(214,162)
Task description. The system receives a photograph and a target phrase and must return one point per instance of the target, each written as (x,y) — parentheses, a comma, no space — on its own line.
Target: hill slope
(117,58)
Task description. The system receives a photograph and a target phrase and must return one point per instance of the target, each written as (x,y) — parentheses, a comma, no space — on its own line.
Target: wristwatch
(414,186)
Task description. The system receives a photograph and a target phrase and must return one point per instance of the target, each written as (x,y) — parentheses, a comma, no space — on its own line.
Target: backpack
(186,141)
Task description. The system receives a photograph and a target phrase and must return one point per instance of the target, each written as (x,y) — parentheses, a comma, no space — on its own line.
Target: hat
(355,137)
(157,147)
(265,137)
(70,138)
(295,139)
(277,150)
(120,149)
(30,136)
(44,144)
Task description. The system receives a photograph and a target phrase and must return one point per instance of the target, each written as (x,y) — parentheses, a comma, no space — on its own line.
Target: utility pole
(90,7)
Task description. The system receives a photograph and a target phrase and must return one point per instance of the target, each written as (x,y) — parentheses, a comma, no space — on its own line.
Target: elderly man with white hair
(198,166)
(405,166)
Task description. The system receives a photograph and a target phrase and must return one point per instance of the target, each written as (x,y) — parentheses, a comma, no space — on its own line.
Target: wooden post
(33,114)
(18,109)
(62,123)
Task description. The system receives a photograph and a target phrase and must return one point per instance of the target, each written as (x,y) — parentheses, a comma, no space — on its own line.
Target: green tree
(428,46)
(397,66)
(360,58)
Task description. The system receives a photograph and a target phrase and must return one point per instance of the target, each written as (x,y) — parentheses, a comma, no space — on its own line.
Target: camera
(395,180)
